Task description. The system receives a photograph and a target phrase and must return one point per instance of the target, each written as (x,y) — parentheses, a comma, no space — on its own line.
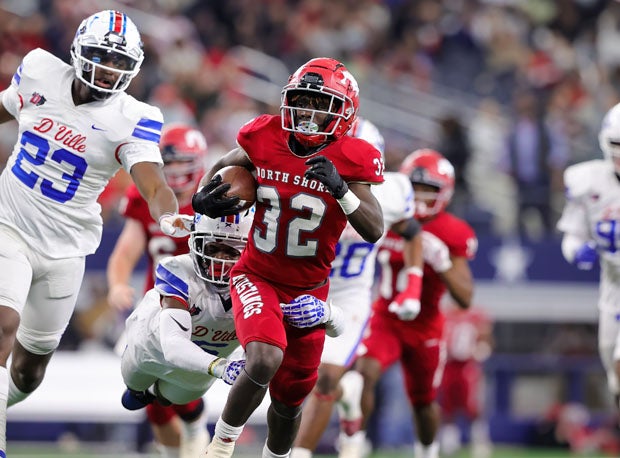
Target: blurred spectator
(454,145)
(535,155)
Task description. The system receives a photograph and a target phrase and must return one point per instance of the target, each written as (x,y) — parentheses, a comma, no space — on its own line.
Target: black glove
(323,170)
(211,201)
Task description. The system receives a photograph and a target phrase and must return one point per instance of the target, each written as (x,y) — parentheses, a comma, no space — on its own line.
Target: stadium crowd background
(455,75)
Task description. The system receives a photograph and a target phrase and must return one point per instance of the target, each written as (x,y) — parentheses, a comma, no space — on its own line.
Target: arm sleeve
(175,332)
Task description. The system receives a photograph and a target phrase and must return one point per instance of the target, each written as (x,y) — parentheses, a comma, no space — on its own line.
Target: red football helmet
(183,149)
(332,92)
(427,166)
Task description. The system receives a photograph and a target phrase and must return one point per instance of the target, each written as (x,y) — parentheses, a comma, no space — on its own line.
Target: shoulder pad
(39,63)
(579,178)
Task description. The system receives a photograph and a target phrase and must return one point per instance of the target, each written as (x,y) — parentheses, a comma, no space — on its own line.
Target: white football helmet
(364,129)
(212,260)
(609,137)
(107,40)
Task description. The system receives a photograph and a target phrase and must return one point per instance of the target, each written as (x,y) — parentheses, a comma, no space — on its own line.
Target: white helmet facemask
(107,52)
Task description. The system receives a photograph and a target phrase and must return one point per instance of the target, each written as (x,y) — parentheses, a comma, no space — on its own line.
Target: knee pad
(158,414)
(191,410)
(37,342)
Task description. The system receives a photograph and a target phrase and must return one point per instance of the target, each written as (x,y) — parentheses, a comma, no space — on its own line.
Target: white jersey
(213,327)
(592,212)
(354,264)
(66,154)
(353,268)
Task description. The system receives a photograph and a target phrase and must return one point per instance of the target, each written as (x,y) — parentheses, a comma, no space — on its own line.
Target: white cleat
(220,449)
(354,446)
(194,446)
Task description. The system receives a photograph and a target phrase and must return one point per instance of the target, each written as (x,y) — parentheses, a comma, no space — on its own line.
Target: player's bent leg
(371,370)
(427,424)
(194,435)
(357,400)
(317,410)
(262,362)
(27,372)
(283,422)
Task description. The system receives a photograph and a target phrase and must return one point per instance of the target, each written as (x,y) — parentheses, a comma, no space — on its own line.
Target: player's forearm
(412,253)
(163,201)
(367,219)
(175,327)
(119,269)
(459,281)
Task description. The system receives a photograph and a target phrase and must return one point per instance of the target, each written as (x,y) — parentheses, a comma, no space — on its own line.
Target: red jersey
(158,245)
(297,222)
(461,241)
(463,330)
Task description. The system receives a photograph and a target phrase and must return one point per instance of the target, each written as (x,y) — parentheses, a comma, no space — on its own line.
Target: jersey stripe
(170,285)
(17,76)
(148,129)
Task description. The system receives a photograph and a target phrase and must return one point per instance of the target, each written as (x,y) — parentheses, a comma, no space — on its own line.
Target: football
(242,184)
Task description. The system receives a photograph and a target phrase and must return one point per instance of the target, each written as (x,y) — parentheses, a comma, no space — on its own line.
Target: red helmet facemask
(320,102)
(428,167)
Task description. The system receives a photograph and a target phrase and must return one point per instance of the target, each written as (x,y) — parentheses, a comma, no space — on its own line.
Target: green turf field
(52,451)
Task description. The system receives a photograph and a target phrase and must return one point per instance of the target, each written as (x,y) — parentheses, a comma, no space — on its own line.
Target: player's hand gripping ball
(231,190)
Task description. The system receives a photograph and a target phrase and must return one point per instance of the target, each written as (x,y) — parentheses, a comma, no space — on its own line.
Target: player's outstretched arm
(150,181)
(128,250)
(175,333)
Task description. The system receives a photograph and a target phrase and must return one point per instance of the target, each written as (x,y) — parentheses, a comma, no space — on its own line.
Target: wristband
(164,216)
(212,364)
(349,202)
(414,270)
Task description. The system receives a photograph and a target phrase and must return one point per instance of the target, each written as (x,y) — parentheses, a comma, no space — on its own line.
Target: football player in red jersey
(312,179)
(469,340)
(448,244)
(179,430)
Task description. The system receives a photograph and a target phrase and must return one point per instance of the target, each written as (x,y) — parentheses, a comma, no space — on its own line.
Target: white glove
(227,370)
(306,311)
(175,225)
(435,252)
(408,310)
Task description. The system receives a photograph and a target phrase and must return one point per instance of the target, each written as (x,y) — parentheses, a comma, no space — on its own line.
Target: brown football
(242,184)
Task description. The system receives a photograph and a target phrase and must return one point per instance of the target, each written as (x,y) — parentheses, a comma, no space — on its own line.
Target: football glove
(306,311)
(323,169)
(586,256)
(211,201)
(175,225)
(227,370)
(435,252)
(406,305)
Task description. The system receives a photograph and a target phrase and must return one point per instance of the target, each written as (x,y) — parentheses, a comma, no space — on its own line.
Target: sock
(426,451)
(269,454)
(194,428)
(480,432)
(4,391)
(227,433)
(15,395)
(300,452)
(168,452)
